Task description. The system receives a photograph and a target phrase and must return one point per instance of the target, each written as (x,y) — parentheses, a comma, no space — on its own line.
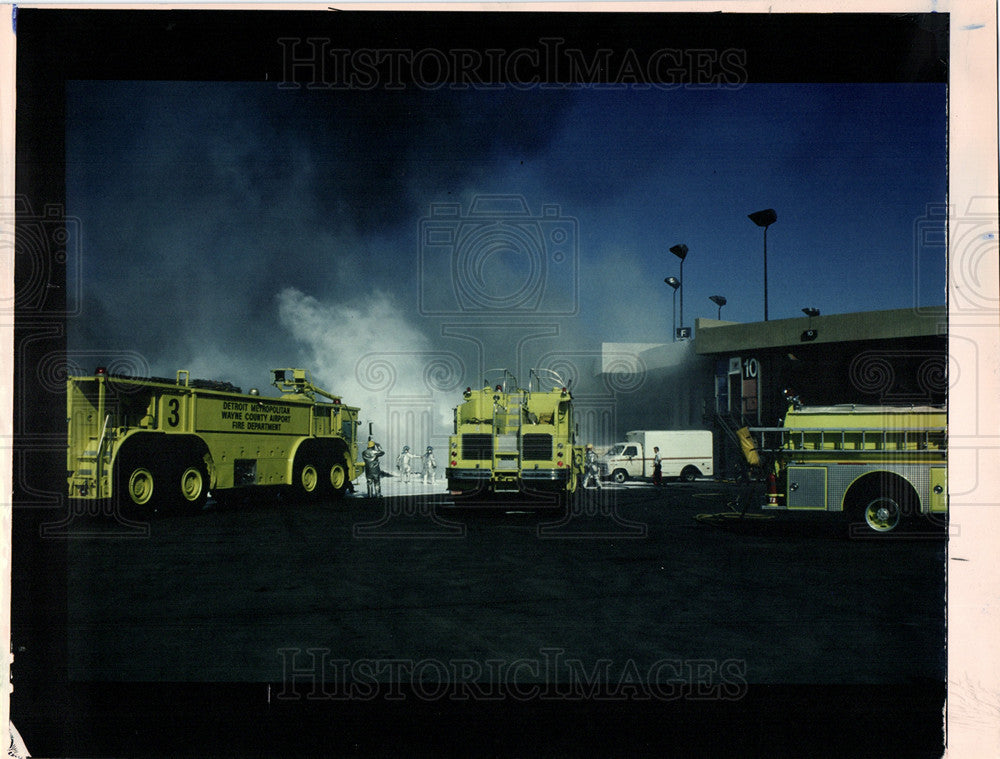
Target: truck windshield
(616,450)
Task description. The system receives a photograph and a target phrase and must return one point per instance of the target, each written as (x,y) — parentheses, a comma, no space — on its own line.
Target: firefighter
(591,468)
(430,465)
(373,469)
(404,463)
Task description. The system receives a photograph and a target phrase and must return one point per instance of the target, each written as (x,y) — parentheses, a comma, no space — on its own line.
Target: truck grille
(477,446)
(536,447)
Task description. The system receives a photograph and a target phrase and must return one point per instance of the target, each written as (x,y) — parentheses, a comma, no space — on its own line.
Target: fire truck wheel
(338,478)
(881,502)
(882,513)
(193,482)
(619,476)
(306,478)
(690,473)
(138,481)
(141,486)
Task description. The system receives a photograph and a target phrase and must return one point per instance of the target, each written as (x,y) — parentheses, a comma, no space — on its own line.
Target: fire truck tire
(619,476)
(193,486)
(141,486)
(337,478)
(882,514)
(690,474)
(140,479)
(881,503)
(306,477)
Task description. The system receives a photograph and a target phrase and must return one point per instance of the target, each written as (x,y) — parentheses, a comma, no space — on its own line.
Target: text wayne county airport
(245,416)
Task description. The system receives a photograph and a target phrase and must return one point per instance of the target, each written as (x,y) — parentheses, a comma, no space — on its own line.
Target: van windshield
(616,450)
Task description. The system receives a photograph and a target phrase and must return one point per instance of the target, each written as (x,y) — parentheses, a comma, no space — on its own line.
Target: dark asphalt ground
(629,579)
(627,626)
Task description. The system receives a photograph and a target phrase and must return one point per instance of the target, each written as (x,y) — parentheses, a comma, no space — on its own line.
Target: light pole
(764,218)
(720,301)
(674,283)
(681,252)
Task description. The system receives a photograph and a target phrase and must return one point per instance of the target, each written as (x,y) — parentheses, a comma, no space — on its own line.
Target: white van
(686,454)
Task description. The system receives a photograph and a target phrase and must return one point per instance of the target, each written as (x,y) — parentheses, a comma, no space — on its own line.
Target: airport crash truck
(685,454)
(513,441)
(154,443)
(879,465)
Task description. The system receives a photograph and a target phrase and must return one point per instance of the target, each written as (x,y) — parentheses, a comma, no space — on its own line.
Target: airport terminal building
(734,374)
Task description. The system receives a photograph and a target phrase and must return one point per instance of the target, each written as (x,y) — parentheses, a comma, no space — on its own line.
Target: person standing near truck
(430,466)
(373,469)
(592,471)
(404,463)
(657,467)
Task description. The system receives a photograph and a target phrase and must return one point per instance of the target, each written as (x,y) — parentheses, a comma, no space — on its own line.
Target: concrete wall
(670,386)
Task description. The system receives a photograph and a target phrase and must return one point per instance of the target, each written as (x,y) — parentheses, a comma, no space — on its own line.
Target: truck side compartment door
(807,487)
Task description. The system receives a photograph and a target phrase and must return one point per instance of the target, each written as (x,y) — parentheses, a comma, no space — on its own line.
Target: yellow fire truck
(509,440)
(877,464)
(160,444)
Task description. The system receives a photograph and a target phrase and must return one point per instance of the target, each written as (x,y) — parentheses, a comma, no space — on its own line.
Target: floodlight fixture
(720,301)
(681,250)
(764,218)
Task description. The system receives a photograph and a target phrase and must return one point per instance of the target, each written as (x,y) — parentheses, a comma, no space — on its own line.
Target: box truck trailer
(684,454)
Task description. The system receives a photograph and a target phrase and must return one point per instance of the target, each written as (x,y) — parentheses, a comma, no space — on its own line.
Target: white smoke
(375,358)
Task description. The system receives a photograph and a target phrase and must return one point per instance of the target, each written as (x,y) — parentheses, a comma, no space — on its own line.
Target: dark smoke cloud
(232,228)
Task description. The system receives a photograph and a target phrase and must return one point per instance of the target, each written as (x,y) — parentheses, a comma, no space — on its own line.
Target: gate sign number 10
(750,369)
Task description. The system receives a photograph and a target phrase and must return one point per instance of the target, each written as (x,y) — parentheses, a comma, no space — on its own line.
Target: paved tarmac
(633,584)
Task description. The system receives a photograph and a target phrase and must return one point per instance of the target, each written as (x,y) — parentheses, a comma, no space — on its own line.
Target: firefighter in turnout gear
(373,469)
(404,463)
(591,468)
(430,466)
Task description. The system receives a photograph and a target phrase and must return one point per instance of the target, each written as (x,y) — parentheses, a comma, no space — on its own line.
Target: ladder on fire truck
(506,442)
(897,441)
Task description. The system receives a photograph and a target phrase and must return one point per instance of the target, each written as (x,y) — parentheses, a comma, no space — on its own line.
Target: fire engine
(878,464)
(157,443)
(508,440)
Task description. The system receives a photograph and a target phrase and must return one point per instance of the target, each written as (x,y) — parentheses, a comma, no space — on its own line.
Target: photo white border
(973,580)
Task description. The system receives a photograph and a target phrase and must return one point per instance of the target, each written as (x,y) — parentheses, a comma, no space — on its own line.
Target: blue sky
(219,219)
